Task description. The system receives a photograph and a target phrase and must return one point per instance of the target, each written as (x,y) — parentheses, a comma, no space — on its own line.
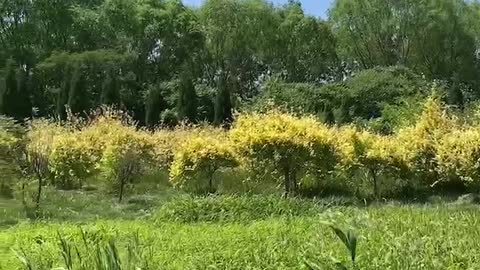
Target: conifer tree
(77,95)
(15,100)
(187,98)
(110,91)
(223,103)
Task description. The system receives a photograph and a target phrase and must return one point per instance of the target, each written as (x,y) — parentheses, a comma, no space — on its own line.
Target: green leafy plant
(92,252)
(349,239)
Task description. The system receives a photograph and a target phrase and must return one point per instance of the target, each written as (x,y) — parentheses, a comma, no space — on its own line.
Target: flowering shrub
(121,151)
(458,157)
(168,142)
(419,143)
(288,148)
(72,160)
(197,160)
(283,143)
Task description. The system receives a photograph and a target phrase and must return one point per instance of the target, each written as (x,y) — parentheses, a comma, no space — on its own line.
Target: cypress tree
(187,98)
(328,116)
(455,96)
(62,96)
(23,100)
(110,94)
(223,103)
(77,95)
(153,105)
(9,90)
(15,100)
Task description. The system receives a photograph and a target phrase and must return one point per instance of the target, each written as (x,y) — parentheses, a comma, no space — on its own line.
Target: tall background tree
(161,57)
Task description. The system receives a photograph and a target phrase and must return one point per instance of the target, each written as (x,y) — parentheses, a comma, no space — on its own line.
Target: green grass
(390,236)
(159,228)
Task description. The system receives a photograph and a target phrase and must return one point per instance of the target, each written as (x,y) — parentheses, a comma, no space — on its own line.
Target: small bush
(419,143)
(72,160)
(9,153)
(458,155)
(284,144)
(197,160)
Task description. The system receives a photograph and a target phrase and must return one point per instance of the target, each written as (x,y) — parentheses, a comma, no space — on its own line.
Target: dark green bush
(363,96)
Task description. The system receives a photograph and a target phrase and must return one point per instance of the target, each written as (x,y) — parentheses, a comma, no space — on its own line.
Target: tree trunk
(373,172)
(287,183)
(293,182)
(210,183)
(39,193)
(122,186)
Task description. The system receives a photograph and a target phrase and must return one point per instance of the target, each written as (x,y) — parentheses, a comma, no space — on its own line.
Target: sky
(313,7)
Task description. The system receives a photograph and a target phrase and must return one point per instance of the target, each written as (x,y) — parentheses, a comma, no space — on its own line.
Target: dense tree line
(164,61)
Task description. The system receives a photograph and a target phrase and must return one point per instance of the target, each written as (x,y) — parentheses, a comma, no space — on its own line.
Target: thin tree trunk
(39,193)
(211,174)
(286,173)
(24,201)
(210,183)
(293,181)
(122,184)
(375,184)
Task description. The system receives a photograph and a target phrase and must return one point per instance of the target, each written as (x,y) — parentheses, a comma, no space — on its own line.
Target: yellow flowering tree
(286,144)
(419,143)
(197,160)
(169,141)
(120,150)
(378,155)
(458,157)
(71,157)
(72,160)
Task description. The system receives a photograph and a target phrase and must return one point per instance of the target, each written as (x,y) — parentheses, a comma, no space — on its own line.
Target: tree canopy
(159,58)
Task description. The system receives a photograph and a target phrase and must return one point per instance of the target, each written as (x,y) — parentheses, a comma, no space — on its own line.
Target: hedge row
(438,149)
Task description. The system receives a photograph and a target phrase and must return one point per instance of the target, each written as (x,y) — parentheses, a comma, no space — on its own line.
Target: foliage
(223,105)
(81,256)
(122,53)
(198,159)
(457,157)
(8,140)
(420,141)
(125,157)
(389,236)
(234,209)
(286,144)
(363,96)
(10,146)
(187,99)
(417,34)
(14,95)
(121,151)
(72,160)
(36,163)
(169,141)
(378,155)
(297,151)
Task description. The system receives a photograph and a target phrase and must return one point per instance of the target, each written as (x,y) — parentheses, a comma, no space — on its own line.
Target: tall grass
(388,237)
(91,252)
(233,208)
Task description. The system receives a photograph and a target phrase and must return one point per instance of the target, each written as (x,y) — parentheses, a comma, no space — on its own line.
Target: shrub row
(436,150)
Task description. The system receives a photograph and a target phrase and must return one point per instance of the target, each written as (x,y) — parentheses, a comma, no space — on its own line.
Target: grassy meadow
(161,228)
(275,191)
